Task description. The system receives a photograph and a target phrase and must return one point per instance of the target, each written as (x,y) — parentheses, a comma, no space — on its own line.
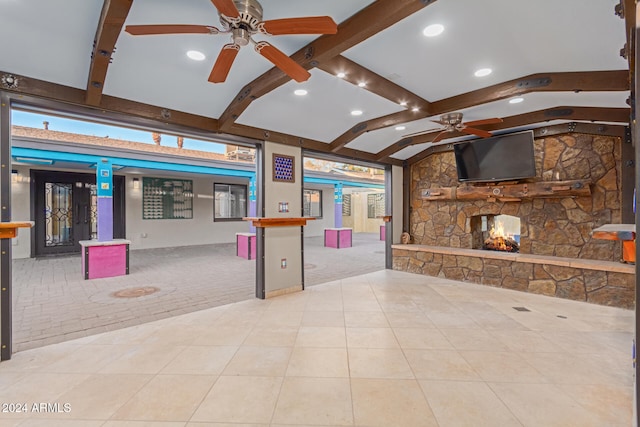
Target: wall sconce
(14,175)
(136,183)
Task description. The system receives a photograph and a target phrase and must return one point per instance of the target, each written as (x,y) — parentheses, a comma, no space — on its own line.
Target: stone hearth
(600,282)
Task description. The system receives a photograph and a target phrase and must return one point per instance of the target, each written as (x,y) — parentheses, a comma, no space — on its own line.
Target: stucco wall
(200,230)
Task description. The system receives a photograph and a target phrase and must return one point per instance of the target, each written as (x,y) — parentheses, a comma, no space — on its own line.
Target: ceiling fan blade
(483,122)
(147,30)
(282,61)
(440,136)
(226,8)
(223,63)
(307,25)
(478,132)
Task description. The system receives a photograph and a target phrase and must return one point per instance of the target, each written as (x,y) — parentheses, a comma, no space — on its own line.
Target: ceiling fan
(242,19)
(452,122)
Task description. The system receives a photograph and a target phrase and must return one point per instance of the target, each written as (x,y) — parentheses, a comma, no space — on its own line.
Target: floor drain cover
(135,292)
(309,266)
(521,308)
(378,252)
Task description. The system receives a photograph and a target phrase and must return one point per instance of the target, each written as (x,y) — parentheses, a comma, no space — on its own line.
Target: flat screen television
(498,158)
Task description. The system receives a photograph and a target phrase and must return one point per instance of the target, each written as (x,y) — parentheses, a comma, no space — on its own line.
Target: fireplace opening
(496,233)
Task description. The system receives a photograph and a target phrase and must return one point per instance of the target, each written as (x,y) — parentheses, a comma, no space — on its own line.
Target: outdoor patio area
(52,303)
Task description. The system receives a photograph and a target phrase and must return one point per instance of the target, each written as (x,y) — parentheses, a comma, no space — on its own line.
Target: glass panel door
(58,217)
(66,211)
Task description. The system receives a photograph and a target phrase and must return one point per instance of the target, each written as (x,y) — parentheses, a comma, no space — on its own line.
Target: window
(230,202)
(167,198)
(346,205)
(312,203)
(375,205)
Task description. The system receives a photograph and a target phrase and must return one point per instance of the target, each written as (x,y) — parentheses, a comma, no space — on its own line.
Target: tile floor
(52,302)
(381,349)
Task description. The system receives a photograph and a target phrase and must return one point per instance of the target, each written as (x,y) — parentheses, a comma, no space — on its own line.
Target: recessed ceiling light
(196,55)
(300,92)
(415,109)
(433,30)
(403,103)
(356,113)
(483,72)
(516,100)
(362,84)
(341,75)
(400,127)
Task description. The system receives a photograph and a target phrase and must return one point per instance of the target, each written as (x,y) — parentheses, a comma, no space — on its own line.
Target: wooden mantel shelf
(9,230)
(509,192)
(278,222)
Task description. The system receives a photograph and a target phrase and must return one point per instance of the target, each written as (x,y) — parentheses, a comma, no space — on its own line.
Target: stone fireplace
(554,232)
(495,232)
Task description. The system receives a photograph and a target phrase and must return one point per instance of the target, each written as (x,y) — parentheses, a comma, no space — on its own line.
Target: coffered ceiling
(562,57)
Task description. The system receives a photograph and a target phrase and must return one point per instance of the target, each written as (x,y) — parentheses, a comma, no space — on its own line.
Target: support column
(635,135)
(253,202)
(337,195)
(279,261)
(104,179)
(393,185)
(5,216)
(388,211)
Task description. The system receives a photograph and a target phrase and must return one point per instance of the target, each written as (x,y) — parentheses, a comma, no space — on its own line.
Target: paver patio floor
(52,303)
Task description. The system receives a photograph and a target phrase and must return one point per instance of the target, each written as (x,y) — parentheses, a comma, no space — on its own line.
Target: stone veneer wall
(554,226)
(571,280)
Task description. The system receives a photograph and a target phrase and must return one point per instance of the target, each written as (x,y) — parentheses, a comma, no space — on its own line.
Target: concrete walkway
(52,303)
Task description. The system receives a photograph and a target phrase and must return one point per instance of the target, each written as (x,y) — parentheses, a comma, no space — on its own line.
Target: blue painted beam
(46,156)
(58,156)
(313,180)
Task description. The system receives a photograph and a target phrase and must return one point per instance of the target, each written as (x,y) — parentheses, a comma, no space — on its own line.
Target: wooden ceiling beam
(559,129)
(73,96)
(70,95)
(589,81)
(114,13)
(626,10)
(375,124)
(581,81)
(374,18)
(594,114)
(356,73)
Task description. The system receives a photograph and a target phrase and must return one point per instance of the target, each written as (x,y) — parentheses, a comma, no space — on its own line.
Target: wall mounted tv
(498,158)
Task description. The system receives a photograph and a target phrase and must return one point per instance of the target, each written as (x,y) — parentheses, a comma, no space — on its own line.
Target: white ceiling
(321,101)
(52,40)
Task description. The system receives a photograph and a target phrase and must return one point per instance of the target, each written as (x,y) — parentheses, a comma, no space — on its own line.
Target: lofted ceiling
(562,57)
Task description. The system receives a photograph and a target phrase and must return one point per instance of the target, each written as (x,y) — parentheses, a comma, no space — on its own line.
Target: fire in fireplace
(499,240)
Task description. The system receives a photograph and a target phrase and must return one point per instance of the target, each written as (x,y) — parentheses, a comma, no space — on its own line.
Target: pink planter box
(104,259)
(246,245)
(337,238)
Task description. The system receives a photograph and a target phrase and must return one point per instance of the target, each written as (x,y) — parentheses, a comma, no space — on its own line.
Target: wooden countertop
(278,222)
(9,230)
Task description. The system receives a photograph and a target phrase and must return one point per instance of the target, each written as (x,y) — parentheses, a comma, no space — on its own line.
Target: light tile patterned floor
(52,302)
(381,349)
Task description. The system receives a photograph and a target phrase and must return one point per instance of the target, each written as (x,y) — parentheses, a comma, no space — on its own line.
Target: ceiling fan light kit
(452,123)
(242,19)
